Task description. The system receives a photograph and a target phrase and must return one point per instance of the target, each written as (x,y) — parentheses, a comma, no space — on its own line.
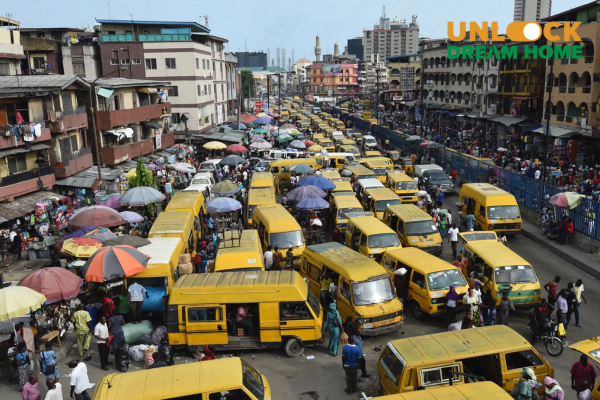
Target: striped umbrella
(114,262)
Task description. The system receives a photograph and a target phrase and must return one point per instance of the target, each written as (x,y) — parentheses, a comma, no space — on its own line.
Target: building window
(175,118)
(136,60)
(17,163)
(114,61)
(205,90)
(197,63)
(199,90)
(40,63)
(203,64)
(134,99)
(124,61)
(170,63)
(150,63)
(79,68)
(209,90)
(173,92)
(4,69)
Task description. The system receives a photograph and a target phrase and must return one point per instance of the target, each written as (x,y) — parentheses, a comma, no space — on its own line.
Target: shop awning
(526,98)
(508,120)
(147,90)
(152,124)
(17,150)
(13,56)
(460,115)
(557,130)
(80,182)
(529,126)
(24,205)
(120,132)
(105,92)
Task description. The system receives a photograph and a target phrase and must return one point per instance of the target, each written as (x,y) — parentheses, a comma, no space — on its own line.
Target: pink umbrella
(112,202)
(54,283)
(308,142)
(96,215)
(260,144)
(236,148)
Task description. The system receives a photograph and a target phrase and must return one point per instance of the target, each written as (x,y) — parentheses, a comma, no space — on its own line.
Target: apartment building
(532,10)
(334,78)
(233,81)
(11,50)
(391,37)
(404,78)
(182,53)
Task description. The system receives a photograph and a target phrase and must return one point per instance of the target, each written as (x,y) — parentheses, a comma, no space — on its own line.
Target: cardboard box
(240,332)
(185,258)
(210,266)
(186,269)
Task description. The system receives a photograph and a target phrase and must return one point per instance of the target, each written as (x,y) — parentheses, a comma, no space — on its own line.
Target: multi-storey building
(532,10)
(252,59)
(374,74)
(11,50)
(183,53)
(391,37)
(233,81)
(299,71)
(355,48)
(404,78)
(334,78)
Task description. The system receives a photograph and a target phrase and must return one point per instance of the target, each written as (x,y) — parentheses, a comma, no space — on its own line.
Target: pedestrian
(491,313)
(81,318)
(115,329)
(470,221)
(268,258)
(54,390)
(570,302)
(245,177)
(561,307)
(136,299)
(47,361)
(356,333)
(289,259)
(467,320)
(79,380)
(4,251)
(31,391)
(123,309)
(506,305)
(443,224)
(333,323)
(209,224)
(578,290)
(451,300)
(472,299)
(440,196)
(101,334)
(582,370)
(553,390)
(277,259)
(18,245)
(158,363)
(336,235)
(108,304)
(453,239)
(350,360)
(21,363)
(551,289)
(585,392)
(522,389)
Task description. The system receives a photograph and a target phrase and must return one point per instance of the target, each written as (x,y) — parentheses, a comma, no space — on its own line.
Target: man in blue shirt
(351,356)
(359,343)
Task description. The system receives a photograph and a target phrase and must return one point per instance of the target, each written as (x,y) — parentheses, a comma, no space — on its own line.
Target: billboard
(331,69)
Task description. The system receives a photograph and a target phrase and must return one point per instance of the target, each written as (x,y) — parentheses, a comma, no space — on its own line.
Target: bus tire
(418,312)
(293,347)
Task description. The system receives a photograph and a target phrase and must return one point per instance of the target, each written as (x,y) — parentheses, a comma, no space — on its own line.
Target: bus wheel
(418,312)
(293,347)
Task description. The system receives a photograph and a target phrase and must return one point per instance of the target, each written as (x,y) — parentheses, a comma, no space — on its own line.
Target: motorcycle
(549,336)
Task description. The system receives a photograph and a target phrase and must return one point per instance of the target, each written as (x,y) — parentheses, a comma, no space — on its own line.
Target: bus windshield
(381,205)
(503,212)
(373,292)
(252,381)
(343,211)
(443,279)
(286,240)
(515,274)
(406,186)
(383,240)
(418,228)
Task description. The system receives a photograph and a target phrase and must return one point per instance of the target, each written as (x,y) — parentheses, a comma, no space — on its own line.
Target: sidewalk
(587,262)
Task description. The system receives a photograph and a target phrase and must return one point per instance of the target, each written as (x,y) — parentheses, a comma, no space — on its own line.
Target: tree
(247,83)
(143,176)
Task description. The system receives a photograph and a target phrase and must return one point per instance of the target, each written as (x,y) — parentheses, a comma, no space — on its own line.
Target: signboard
(168,187)
(158,139)
(331,69)
(258,105)
(219,113)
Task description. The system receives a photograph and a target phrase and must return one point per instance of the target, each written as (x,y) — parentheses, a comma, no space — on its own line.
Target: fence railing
(528,192)
(63,161)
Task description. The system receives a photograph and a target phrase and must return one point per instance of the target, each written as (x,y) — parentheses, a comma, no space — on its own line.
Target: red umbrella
(308,142)
(236,148)
(96,215)
(180,146)
(114,262)
(54,283)
(247,117)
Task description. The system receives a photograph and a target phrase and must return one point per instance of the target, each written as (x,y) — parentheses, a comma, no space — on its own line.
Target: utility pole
(240,99)
(268,91)
(279,90)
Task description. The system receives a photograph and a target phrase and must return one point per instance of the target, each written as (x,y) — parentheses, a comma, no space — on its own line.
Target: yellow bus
(377,200)
(369,236)
(240,251)
(178,224)
(255,198)
(262,180)
(414,227)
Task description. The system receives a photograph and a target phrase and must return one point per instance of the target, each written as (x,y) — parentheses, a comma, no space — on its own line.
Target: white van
(369,142)
(262,165)
(364,184)
(203,178)
(285,154)
(209,166)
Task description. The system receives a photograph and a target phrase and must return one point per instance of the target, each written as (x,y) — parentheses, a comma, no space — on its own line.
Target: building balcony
(67,120)
(525,68)
(70,164)
(11,141)
(16,185)
(118,154)
(520,90)
(111,119)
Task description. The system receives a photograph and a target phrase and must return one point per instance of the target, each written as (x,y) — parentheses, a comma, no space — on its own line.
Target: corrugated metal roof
(508,120)
(233,137)
(17,150)
(23,205)
(27,83)
(129,22)
(113,83)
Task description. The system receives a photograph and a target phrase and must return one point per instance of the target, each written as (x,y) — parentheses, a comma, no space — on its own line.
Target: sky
(258,25)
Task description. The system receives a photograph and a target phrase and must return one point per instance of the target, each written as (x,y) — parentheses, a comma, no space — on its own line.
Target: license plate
(381,323)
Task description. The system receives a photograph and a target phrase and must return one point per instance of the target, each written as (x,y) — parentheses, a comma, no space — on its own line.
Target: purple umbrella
(234,125)
(312,203)
(262,121)
(131,217)
(79,232)
(318,181)
(112,202)
(260,144)
(302,192)
(223,205)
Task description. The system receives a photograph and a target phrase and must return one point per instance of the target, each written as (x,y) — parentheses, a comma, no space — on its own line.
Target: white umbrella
(182,167)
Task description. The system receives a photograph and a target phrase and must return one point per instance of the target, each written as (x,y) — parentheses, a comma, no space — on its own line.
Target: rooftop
(258,69)
(303,60)
(36,85)
(115,83)
(137,22)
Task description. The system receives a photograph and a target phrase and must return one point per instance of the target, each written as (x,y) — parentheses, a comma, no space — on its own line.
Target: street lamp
(93,106)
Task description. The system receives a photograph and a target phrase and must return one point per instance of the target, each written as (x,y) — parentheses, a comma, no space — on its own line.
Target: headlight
(439,244)
(371,255)
(452,185)
(537,291)
(359,320)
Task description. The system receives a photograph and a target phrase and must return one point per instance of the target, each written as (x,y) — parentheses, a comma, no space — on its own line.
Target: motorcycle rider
(540,316)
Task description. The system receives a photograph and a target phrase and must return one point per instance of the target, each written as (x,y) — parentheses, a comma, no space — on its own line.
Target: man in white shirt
(538,173)
(453,239)
(135,293)
(268,258)
(245,176)
(101,334)
(54,390)
(79,380)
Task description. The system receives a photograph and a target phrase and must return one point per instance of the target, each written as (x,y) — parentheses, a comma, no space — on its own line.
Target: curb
(567,257)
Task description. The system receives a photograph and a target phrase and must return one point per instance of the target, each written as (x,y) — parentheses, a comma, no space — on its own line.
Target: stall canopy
(128,132)
(557,131)
(147,90)
(24,205)
(508,120)
(231,137)
(152,124)
(105,92)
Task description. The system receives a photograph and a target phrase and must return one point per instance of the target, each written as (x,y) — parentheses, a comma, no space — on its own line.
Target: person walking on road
(553,390)
(356,334)
(47,362)
(333,323)
(470,221)
(277,259)
(451,300)
(31,391)
(350,360)
(578,290)
(83,329)
(54,390)
(101,334)
(80,381)
(582,370)
(136,299)
(268,258)
(453,239)
(551,289)
(585,393)
(506,305)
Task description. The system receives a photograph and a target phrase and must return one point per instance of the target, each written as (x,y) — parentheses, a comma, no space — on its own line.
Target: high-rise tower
(318,49)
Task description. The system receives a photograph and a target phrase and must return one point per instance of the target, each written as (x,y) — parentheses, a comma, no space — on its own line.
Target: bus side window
(482,210)
(363,240)
(400,229)
(314,272)
(261,230)
(275,170)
